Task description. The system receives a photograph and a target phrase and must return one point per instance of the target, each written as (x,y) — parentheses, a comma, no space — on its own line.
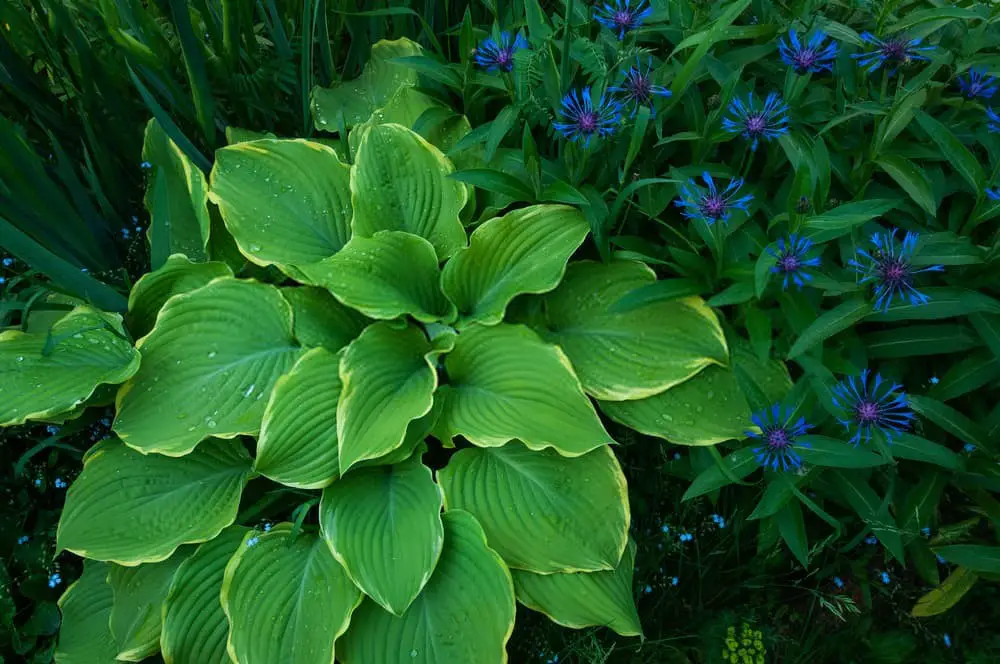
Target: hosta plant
(429,389)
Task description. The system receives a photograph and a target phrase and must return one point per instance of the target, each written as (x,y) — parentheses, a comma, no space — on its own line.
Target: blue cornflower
(792,261)
(898,50)
(888,268)
(713,205)
(637,87)
(837,581)
(778,435)
(992,194)
(992,120)
(59,483)
(881,406)
(947,640)
(498,54)
(625,15)
(7,262)
(885,578)
(23,539)
(674,580)
(968,448)
(54,579)
(753,123)
(978,84)
(583,119)
(810,57)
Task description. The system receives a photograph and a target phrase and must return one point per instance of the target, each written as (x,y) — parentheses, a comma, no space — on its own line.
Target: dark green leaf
(838,319)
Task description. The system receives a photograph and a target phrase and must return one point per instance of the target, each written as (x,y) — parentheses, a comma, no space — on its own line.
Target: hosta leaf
(389,377)
(385,276)
(464,615)
(84,635)
(194,625)
(139,593)
(946,595)
(286,598)
(356,100)
(976,557)
(176,198)
(132,508)
(584,599)
(207,367)
(286,202)
(46,373)
(406,107)
(524,251)
(384,526)
(541,511)
(635,354)
(176,275)
(298,439)
(400,182)
(505,383)
(706,409)
(320,320)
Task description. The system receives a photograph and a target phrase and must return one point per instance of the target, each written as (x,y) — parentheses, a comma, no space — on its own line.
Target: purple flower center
(713,206)
(893,271)
(641,88)
(789,263)
(505,59)
(805,59)
(587,122)
(778,439)
(756,123)
(867,412)
(894,49)
(623,18)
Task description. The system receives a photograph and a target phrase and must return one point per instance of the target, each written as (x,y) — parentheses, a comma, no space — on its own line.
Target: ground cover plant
(676,323)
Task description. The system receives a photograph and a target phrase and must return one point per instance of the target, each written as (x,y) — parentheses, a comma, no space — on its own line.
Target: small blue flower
(837,581)
(54,579)
(7,262)
(947,640)
(712,205)
(809,58)
(685,537)
(583,119)
(59,483)
(674,580)
(778,435)
(941,561)
(3,280)
(935,380)
(925,531)
(623,16)
(792,260)
(767,122)
(677,456)
(879,407)
(126,233)
(968,448)
(978,84)
(23,539)
(898,50)
(52,429)
(637,87)
(253,541)
(889,268)
(871,539)
(992,120)
(719,520)
(647,589)
(664,529)
(498,54)
(885,578)
(267,527)
(38,481)
(145,165)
